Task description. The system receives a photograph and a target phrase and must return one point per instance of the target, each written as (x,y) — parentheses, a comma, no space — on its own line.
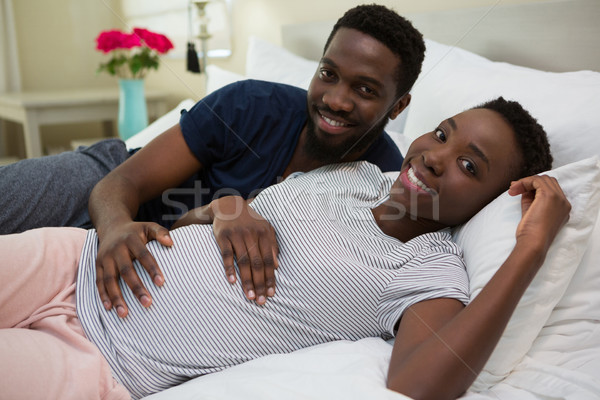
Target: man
(246,137)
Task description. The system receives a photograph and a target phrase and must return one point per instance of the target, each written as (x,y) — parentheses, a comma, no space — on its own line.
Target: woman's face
(451,173)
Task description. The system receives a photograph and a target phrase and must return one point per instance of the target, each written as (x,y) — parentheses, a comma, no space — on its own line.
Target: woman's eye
(440,135)
(469,166)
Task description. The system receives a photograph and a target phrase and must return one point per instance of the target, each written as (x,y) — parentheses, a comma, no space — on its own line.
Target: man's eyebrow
(369,79)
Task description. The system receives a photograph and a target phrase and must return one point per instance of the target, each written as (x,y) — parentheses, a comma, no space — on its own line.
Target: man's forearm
(113,200)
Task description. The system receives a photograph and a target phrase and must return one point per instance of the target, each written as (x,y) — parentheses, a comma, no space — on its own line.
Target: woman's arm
(244,234)
(441,346)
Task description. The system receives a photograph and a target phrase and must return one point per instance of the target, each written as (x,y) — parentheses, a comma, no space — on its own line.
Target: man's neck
(302,161)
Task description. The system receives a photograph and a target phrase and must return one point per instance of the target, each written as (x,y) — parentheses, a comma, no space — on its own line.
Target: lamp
(203,35)
(213,23)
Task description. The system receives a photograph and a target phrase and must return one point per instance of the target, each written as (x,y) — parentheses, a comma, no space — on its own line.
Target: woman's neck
(400,224)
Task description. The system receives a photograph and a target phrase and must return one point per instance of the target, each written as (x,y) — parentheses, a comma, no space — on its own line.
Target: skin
(463,166)
(354,85)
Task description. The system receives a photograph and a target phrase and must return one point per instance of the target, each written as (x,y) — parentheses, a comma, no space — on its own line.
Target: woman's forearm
(445,365)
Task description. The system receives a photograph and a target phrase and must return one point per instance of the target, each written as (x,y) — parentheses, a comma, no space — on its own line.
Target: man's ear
(400,105)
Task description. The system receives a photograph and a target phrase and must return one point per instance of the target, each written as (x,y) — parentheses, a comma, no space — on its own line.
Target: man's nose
(338,98)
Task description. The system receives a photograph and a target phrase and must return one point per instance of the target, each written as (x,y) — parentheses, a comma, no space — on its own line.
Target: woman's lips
(410,179)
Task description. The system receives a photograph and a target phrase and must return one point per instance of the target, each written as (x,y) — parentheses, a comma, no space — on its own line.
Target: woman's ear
(400,105)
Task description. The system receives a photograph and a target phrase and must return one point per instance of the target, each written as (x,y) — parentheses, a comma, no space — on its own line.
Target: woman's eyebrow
(452,123)
(476,150)
(480,154)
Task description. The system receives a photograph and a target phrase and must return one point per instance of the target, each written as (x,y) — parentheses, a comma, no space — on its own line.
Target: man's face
(451,173)
(351,96)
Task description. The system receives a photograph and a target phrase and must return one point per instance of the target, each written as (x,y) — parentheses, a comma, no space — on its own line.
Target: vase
(133,115)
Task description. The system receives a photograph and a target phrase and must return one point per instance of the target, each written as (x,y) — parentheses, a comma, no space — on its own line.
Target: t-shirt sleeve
(247,118)
(437,271)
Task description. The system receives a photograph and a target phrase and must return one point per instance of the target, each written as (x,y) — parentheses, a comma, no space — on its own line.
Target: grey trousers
(54,190)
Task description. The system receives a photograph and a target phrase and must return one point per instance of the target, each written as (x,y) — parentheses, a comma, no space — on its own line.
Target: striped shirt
(339,277)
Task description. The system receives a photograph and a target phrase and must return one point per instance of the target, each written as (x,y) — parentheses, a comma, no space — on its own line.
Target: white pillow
(489,237)
(565,104)
(269,62)
(337,370)
(218,77)
(157,127)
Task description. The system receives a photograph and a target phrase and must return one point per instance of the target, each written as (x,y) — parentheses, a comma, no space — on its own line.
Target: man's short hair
(395,32)
(531,137)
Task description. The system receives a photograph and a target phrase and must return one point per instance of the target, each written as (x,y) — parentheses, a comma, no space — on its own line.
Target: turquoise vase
(133,115)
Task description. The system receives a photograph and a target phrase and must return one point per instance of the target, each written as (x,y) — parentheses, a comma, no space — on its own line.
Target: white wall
(57,48)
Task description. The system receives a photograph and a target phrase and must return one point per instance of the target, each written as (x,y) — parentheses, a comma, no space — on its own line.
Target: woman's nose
(434,159)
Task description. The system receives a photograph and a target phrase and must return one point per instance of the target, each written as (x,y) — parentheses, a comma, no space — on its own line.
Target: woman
(360,254)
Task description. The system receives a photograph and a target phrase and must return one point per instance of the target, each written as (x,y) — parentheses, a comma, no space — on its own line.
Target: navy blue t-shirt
(244,135)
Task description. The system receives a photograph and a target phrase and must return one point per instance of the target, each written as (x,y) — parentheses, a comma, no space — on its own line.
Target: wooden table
(33,109)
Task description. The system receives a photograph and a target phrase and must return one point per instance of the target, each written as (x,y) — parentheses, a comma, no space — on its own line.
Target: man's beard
(318,150)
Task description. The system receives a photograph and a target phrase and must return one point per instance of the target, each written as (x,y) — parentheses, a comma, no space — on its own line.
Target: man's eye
(366,90)
(440,135)
(326,74)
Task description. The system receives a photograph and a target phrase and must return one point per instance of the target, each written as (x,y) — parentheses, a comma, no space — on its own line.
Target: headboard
(558,36)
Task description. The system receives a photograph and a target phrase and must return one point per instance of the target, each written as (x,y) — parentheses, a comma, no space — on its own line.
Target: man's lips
(332,124)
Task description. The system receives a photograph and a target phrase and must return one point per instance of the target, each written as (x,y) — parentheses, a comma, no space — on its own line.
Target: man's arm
(162,164)
(441,346)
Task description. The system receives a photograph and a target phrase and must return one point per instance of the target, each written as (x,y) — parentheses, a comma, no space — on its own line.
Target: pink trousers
(44,353)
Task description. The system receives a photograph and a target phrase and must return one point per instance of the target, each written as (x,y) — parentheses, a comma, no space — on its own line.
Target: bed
(551,347)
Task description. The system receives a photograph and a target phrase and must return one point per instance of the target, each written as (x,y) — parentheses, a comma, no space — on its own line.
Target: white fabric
(339,370)
(157,127)
(218,77)
(565,104)
(489,237)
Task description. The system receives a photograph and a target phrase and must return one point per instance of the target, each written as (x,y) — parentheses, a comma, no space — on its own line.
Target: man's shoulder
(384,153)
(258,88)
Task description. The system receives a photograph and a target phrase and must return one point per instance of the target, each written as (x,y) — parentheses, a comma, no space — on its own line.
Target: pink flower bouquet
(132,54)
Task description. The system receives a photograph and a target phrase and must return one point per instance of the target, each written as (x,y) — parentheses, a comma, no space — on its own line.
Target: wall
(264,18)
(56,43)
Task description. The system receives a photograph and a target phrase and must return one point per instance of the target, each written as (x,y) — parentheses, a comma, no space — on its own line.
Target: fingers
(160,234)
(141,253)
(545,209)
(532,183)
(256,256)
(115,261)
(269,251)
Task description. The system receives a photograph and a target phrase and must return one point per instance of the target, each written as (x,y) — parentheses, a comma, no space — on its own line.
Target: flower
(132,54)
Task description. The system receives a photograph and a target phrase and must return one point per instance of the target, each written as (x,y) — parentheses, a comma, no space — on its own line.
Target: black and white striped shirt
(339,277)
